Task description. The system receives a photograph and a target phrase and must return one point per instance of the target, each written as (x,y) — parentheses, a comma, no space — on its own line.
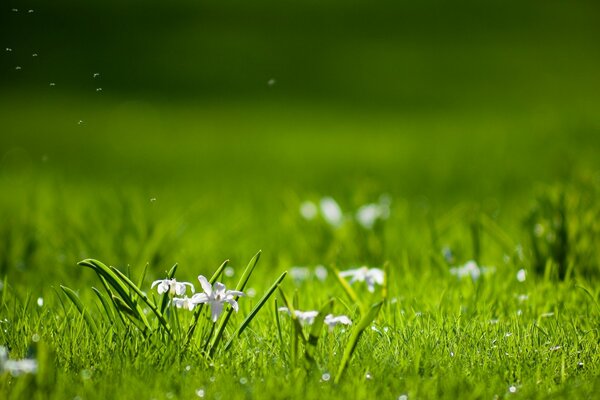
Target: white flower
(216,295)
(300,273)
(308,318)
(16,367)
(308,210)
(184,302)
(321,272)
(470,269)
(305,317)
(370,276)
(331,321)
(521,275)
(172,286)
(332,213)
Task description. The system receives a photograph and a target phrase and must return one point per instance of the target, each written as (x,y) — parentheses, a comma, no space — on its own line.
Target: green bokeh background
(435,103)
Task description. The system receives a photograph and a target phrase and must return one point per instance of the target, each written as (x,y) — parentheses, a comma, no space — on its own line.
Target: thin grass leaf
(256,309)
(146,300)
(356,334)
(315,332)
(297,326)
(131,315)
(165,297)
(240,287)
(107,308)
(120,287)
(142,276)
(348,289)
(81,308)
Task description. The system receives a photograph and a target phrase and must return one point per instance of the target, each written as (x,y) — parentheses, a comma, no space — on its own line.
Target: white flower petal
(216,309)
(206,286)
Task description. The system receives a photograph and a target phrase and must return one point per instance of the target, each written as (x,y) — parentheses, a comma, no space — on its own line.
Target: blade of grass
(348,289)
(255,310)
(81,308)
(240,287)
(146,300)
(356,334)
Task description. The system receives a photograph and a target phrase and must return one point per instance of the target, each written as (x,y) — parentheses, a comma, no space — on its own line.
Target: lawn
(472,133)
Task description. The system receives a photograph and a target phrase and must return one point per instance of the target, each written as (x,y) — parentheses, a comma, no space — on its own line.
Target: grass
(479,123)
(435,336)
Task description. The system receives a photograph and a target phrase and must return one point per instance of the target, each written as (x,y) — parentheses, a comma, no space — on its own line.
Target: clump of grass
(125,305)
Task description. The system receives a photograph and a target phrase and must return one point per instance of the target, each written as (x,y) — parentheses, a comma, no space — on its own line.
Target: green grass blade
(348,289)
(81,308)
(295,322)
(143,276)
(107,308)
(315,332)
(146,300)
(256,309)
(165,297)
(356,334)
(115,282)
(240,286)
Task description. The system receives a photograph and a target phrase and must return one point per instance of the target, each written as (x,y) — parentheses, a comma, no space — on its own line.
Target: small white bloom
(470,269)
(184,302)
(305,317)
(370,276)
(369,214)
(521,275)
(321,272)
(332,320)
(16,367)
(172,286)
(308,210)
(300,273)
(216,295)
(332,213)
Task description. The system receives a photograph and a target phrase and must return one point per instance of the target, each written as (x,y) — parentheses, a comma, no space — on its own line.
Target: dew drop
(98,89)
(271,82)
(8,49)
(325,377)
(35,338)
(18,67)
(200,392)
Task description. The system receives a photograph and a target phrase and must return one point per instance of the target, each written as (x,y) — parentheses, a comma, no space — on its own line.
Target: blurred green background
(215,119)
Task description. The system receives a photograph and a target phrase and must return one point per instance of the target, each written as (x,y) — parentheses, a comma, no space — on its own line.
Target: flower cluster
(470,269)
(308,318)
(16,367)
(216,295)
(370,276)
(367,215)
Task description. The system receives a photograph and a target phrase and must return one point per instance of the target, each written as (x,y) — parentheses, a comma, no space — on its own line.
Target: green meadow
(148,135)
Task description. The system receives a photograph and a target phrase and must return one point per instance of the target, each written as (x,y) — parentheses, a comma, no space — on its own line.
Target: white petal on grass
(521,275)
(332,321)
(321,272)
(308,210)
(300,273)
(331,211)
(470,269)
(371,276)
(40,301)
(172,287)
(16,367)
(369,214)
(216,295)
(184,302)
